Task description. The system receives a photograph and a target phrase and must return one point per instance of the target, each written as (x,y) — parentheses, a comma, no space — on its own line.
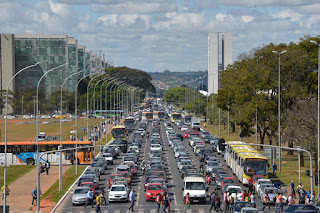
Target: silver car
(79,196)
(99,166)
(272,193)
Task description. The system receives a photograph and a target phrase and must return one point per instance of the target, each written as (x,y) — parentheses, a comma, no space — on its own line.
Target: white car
(262,181)
(118,193)
(141,131)
(156,147)
(184,128)
(236,192)
(155,136)
(46,116)
(134,148)
(108,157)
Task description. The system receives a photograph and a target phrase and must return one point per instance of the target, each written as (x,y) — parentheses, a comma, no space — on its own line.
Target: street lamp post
(5,131)
(60,160)
(106,104)
(312,41)
(76,118)
(37,139)
(118,100)
(279,115)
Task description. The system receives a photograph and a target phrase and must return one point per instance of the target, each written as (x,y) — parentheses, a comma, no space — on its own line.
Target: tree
(175,95)
(252,83)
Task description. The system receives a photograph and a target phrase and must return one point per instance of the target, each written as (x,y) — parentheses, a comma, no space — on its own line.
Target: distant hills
(167,79)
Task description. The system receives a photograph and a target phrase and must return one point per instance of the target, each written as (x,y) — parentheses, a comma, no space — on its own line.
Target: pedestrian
(47,165)
(292,189)
(299,187)
(226,201)
(277,184)
(218,203)
(89,199)
(165,202)
(98,203)
(290,199)
(266,201)
(213,201)
(158,201)
(132,199)
(280,203)
(252,200)
(276,206)
(231,201)
(34,196)
(101,148)
(313,198)
(308,195)
(103,195)
(169,201)
(243,196)
(187,207)
(274,168)
(7,190)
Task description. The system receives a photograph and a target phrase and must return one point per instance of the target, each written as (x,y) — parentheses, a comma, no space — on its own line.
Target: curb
(67,192)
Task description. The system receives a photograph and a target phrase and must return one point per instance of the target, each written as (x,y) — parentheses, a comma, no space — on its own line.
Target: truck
(195,123)
(196,187)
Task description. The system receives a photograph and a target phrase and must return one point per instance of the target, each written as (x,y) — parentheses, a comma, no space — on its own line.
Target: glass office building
(30,49)
(81,61)
(73,63)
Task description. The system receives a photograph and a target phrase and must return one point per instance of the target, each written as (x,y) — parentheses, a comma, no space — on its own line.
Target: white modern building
(214,52)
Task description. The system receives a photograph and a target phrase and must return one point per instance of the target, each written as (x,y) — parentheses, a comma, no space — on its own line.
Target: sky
(158,35)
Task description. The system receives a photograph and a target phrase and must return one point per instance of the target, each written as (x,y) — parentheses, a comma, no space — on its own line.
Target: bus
(25,152)
(175,117)
(229,150)
(149,116)
(246,161)
(161,115)
(187,120)
(129,123)
(119,132)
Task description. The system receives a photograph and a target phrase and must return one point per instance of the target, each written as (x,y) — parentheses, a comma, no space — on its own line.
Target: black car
(203,153)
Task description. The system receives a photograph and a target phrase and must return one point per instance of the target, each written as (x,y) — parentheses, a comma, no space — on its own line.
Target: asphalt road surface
(175,184)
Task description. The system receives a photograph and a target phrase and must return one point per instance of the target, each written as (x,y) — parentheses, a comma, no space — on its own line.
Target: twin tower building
(219,57)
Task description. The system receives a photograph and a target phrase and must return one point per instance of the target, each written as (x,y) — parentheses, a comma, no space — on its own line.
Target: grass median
(14,173)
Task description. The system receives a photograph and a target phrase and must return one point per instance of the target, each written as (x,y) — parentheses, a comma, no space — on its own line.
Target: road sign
(269,152)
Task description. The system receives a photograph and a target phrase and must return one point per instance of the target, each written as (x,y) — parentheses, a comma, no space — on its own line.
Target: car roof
(82,187)
(196,179)
(118,185)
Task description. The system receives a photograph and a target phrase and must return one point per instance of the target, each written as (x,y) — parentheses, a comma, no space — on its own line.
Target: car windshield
(230,181)
(107,155)
(154,187)
(271,191)
(213,163)
(242,204)
(81,191)
(250,211)
(117,188)
(96,165)
(195,186)
(186,163)
(255,166)
(235,190)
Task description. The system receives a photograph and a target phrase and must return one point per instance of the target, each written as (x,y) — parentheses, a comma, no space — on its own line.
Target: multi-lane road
(175,183)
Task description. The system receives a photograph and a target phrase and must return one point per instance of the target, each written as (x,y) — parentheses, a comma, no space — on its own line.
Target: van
(196,187)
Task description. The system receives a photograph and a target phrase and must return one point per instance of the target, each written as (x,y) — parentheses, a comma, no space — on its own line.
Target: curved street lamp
(6,128)
(37,135)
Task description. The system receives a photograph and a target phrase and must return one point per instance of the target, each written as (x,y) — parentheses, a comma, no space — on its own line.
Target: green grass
(14,173)
(290,169)
(67,180)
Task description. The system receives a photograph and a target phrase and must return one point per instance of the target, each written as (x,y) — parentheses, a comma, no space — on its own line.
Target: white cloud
(293,16)
(247,18)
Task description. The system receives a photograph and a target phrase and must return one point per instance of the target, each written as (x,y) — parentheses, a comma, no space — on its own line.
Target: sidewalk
(20,196)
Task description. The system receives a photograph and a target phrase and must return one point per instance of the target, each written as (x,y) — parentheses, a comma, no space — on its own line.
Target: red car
(133,168)
(90,185)
(186,134)
(111,178)
(153,190)
(229,180)
(194,132)
(126,175)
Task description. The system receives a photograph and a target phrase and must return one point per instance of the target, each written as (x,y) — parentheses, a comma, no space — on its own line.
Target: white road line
(175,199)
(153,210)
(117,211)
(141,211)
(176,210)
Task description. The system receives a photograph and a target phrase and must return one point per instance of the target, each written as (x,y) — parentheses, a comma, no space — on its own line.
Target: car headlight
(148,193)
(111,195)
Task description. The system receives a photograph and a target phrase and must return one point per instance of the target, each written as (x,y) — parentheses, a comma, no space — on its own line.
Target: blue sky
(155,35)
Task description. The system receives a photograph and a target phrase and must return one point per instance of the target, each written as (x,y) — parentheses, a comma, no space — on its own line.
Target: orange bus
(25,152)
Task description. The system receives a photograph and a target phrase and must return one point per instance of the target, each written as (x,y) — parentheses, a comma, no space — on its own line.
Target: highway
(175,184)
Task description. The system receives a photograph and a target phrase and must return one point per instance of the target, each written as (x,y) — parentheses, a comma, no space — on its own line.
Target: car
(162,181)
(79,196)
(187,134)
(112,177)
(134,149)
(90,185)
(272,193)
(180,152)
(262,181)
(155,147)
(184,128)
(155,136)
(297,207)
(133,168)
(184,163)
(141,131)
(210,165)
(118,193)
(123,168)
(127,175)
(229,180)
(238,205)
(249,210)
(95,170)
(153,190)
(108,157)
(236,192)
(205,134)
